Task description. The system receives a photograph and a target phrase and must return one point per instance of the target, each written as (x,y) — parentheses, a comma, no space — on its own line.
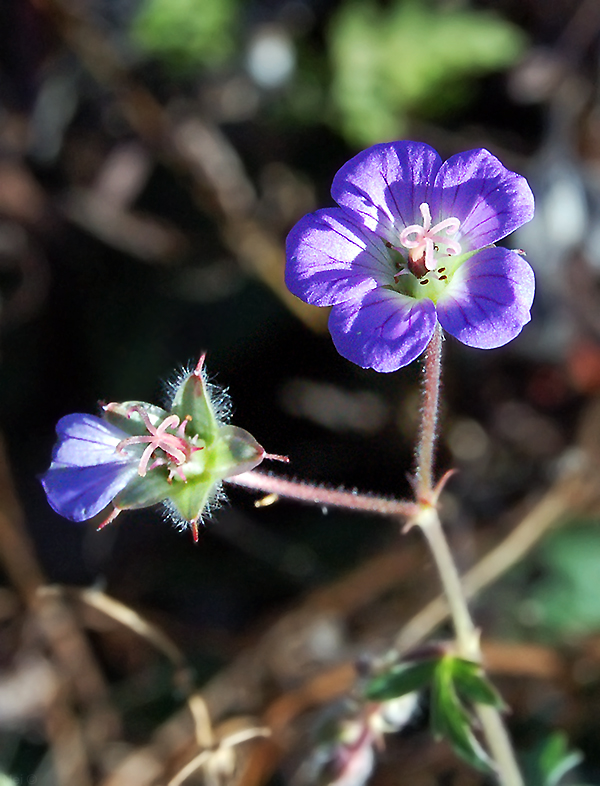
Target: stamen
(177,448)
(110,518)
(276,457)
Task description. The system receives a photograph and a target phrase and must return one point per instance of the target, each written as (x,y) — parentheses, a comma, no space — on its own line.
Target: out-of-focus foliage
(187,33)
(551,761)
(409,58)
(566,597)
(556,588)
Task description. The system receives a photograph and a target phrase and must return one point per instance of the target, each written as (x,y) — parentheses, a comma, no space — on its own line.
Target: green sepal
(473,685)
(141,492)
(192,401)
(401,679)
(128,419)
(240,452)
(191,498)
(451,720)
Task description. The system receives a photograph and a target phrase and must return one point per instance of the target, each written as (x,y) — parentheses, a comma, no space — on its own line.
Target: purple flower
(411,244)
(138,454)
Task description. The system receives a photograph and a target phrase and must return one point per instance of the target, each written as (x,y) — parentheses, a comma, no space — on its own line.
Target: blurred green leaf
(400,680)
(556,760)
(411,57)
(450,718)
(187,33)
(566,597)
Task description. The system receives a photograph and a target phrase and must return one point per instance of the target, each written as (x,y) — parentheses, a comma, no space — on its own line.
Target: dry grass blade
(204,758)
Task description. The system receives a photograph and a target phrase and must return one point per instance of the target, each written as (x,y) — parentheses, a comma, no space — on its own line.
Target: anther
(424,281)
(441,269)
(443,278)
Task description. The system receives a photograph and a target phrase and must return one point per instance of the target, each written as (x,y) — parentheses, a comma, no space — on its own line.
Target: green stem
(467,635)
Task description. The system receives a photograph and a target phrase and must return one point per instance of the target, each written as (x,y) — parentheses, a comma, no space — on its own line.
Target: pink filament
(176,446)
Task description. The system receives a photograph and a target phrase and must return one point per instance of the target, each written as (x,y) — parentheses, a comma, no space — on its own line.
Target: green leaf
(473,686)
(401,679)
(451,720)
(187,33)
(565,598)
(556,760)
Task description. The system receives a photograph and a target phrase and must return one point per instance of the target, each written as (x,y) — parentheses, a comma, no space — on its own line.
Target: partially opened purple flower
(138,454)
(412,243)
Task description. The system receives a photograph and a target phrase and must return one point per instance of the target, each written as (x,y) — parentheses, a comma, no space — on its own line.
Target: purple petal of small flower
(78,493)
(85,440)
(489,200)
(386,184)
(384,331)
(488,301)
(331,258)
(86,472)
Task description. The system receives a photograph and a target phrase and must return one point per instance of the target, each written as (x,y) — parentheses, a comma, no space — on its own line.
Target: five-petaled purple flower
(411,244)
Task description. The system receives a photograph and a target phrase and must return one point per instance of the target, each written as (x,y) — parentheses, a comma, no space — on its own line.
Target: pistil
(428,241)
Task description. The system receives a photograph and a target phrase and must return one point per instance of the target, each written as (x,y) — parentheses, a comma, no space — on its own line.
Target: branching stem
(427,518)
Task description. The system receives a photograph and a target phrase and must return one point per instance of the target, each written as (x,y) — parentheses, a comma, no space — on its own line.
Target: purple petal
(489,200)
(386,184)
(331,258)
(384,331)
(488,301)
(78,493)
(85,440)
(86,471)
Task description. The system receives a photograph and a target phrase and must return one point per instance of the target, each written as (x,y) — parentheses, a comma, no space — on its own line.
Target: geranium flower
(411,244)
(138,454)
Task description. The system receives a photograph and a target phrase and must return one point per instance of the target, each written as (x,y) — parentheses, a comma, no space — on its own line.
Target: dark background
(147,183)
